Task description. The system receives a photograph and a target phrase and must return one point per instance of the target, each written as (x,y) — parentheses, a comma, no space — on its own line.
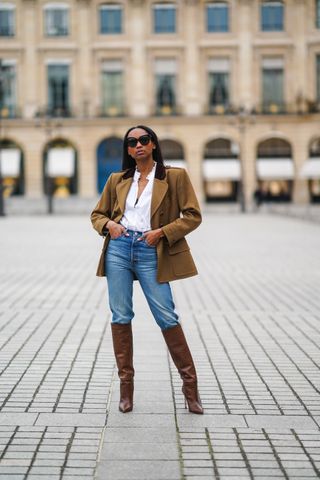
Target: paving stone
(211,421)
(138,470)
(264,421)
(130,420)
(139,451)
(140,435)
(74,419)
(17,418)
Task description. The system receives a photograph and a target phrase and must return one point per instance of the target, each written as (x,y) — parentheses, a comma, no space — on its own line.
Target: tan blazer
(174,207)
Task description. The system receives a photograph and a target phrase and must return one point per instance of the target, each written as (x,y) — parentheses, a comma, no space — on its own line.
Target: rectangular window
(165,82)
(56,21)
(318,13)
(58,90)
(110,19)
(318,78)
(272,16)
(217,17)
(219,97)
(272,85)
(164,18)
(112,88)
(8,89)
(7,20)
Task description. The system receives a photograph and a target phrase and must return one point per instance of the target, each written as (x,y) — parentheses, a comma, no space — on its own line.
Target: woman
(144,212)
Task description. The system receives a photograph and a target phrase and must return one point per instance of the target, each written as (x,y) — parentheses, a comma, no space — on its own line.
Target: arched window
(274,148)
(221,170)
(275,170)
(60,172)
(310,171)
(172,153)
(221,148)
(12,168)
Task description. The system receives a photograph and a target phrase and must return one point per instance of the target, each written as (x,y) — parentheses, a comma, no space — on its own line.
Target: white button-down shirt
(137,213)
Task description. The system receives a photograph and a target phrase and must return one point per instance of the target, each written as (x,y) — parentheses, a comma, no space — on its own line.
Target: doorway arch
(109,159)
(275,170)
(61,165)
(12,168)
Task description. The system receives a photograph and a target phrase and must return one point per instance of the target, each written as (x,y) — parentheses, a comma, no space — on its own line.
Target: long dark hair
(129,162)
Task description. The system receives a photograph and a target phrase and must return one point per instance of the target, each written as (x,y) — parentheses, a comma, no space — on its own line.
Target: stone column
(29,75)
(191,75)
(83,71)
(245,63)
(193,157)
(248,158)
(139,66)
(87,161)
(300,57)
(33,141)
(299,157)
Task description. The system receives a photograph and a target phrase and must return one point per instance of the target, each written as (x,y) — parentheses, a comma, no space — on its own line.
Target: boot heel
(185,402)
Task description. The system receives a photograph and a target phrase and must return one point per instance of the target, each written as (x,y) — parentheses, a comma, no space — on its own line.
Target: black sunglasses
(132,142)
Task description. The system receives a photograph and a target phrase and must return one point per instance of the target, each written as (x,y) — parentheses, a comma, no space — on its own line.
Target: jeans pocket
(117,238)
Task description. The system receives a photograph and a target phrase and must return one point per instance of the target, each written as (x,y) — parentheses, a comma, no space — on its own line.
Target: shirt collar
(150,175)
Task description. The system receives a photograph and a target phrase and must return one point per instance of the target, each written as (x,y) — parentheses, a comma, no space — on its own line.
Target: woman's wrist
(107,225)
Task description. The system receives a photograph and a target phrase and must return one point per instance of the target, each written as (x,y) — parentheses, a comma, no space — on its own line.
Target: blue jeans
(125,257)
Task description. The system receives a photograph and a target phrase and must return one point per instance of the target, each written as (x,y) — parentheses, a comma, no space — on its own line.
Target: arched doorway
(311,171)
(109,159)
(172,153)
(221,170)
(60,170)
(275,170)
(12,168)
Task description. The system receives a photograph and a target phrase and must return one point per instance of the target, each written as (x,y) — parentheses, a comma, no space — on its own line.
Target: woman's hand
(115,229)
(152,237)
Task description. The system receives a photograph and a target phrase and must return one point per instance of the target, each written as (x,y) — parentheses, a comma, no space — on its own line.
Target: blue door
(109,155)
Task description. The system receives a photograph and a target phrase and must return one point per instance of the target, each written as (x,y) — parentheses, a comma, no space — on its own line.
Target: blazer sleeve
(189,208)
(102,211)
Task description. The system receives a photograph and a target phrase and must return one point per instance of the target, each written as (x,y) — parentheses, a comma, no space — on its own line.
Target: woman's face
(140,151)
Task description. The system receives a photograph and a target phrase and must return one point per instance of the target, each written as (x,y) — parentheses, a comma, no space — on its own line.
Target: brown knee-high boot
(123,351)
(180,353)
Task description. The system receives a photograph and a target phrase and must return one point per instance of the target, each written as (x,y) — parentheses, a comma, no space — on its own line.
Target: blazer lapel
(122,190)
(160,188)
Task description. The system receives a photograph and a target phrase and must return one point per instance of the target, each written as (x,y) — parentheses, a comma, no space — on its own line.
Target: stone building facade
(232,89)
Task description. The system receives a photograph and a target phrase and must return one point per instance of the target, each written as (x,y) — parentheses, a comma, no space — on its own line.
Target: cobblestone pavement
(252,321)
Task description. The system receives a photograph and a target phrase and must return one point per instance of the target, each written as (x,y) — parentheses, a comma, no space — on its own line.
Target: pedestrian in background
(144,212)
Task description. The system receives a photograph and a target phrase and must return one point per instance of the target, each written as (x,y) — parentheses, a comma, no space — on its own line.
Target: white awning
(60,162)
(222,169)
(10,160)
(311,169)
(176,163)
(275,169)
